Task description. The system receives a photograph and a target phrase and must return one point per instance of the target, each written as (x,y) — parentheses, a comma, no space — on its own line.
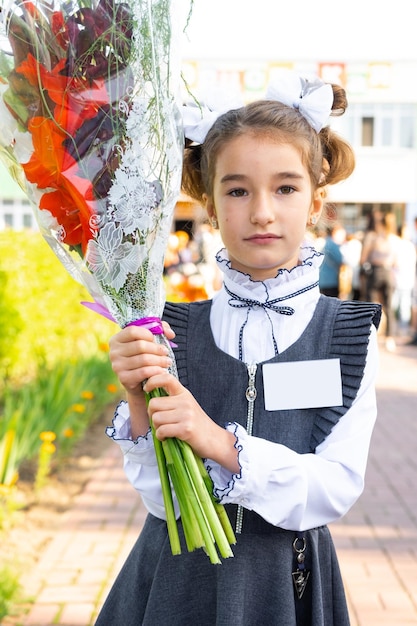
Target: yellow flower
(48,448)
(68,432)
(87,395)
(112,388)
(47,435)
(78,408)
(104,347)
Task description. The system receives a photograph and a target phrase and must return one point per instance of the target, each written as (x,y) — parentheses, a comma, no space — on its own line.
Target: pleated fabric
(256,586)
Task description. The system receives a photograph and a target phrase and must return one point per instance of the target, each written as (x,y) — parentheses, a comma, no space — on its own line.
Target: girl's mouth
(259,238)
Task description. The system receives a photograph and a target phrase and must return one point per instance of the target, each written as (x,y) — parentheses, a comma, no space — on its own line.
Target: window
(381,125)
(367,131)
(27,220)
(386,131)
(406,134)
(8,220)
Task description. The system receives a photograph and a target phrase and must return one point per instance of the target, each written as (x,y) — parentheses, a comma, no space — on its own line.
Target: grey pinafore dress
(256,586)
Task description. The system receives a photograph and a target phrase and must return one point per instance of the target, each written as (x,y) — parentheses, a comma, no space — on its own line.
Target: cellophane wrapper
(90,130)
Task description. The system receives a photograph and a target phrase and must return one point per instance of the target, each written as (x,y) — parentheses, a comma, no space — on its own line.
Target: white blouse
(291,490)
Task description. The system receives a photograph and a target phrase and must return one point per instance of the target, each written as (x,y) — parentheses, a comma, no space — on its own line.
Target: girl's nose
(262,210)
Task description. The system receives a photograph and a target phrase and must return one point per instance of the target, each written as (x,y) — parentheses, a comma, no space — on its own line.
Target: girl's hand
(136,356)
(179,415)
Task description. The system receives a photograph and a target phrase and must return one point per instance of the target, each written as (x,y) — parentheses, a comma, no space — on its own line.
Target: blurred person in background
(378,259)
(351,254)
(413,341)
(209,242)
(405,276)
(172,257)
(184,282)
(330,268)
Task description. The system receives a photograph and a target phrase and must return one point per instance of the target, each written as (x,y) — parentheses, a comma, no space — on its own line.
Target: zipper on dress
(250,397)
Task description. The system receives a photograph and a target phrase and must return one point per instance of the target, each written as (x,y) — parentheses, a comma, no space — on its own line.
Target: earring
(313,220)
(214,223)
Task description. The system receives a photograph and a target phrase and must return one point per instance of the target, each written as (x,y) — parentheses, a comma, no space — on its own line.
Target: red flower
(50,84)
(75,100)
(59,29)
(32,10)
(51,166)
(68,95)
(65,209)
(78,103)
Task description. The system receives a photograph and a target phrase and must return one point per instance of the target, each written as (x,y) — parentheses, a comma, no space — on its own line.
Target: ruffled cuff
(227,486)
(139,450)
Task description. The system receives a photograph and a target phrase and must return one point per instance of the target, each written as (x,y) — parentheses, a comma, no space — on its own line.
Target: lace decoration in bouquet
(90,117)
(90,129)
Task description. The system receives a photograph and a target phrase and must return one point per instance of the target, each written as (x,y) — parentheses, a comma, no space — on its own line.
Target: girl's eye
(237,193)
(286,190)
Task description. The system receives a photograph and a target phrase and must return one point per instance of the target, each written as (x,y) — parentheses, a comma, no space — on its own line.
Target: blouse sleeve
(139,462)
(302,491)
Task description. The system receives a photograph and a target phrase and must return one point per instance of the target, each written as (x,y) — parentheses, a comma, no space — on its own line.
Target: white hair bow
(313,99)
(199,118)
(198,121)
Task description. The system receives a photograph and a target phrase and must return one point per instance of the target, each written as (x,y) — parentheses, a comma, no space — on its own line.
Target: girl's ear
(209,206)
(317,204)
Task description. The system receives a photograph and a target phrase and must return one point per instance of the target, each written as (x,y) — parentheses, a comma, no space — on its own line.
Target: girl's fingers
(131,377)
(134,371)
(137,361)
(135,356)
(132,334)
(166,381)
(168,332)
(134,341)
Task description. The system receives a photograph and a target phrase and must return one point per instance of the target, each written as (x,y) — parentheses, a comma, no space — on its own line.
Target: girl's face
(263,201)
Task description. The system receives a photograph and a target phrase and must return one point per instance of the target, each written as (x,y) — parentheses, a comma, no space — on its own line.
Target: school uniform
(300,467)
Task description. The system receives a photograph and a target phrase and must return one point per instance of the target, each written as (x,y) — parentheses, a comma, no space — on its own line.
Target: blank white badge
(302,384)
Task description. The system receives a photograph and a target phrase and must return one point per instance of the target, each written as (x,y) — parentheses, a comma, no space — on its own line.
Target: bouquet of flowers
(90,129)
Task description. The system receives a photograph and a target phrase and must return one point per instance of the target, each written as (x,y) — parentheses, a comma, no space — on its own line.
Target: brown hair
(328,158)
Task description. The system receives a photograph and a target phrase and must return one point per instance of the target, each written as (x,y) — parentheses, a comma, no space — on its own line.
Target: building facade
(381,125)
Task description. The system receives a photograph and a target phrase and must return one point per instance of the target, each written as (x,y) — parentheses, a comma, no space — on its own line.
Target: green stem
(190,492)
(205,521)
(221,511)
(166,489)
(192,534)
(184,493)
(206,500)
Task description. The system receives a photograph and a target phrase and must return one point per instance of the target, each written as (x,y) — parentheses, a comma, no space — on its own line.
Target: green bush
(41,318)
(64,400)
(10,321)
(54,368)
(55,375)
(10,589)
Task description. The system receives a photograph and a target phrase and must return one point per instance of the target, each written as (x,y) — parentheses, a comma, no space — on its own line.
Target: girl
(276,382)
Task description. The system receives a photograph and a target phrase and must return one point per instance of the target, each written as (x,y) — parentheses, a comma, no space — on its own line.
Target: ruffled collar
(286,283)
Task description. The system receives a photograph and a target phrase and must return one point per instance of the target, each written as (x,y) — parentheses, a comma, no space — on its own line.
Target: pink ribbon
(154,324)
(100,309)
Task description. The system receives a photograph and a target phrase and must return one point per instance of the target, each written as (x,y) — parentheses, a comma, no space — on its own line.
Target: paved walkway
(376,541)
